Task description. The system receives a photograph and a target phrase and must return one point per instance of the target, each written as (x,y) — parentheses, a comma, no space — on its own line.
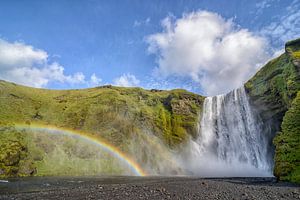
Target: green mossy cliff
(273,92)
(114,113)
(274,86)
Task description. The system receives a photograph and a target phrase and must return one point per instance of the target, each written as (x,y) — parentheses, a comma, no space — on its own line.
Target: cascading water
(231,140)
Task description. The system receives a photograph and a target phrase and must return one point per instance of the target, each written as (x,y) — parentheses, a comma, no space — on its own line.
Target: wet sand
(147,188)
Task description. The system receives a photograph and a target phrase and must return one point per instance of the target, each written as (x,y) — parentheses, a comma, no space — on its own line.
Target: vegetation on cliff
(287,156)
(275,85)
(14,153)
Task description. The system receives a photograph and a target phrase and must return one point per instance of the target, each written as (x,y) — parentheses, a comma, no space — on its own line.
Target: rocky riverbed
(146,188)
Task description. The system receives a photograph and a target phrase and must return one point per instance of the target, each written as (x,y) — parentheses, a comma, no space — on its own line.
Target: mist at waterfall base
(232,140)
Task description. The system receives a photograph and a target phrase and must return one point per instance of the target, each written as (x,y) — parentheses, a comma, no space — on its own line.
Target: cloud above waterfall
(212,51)
(22,63)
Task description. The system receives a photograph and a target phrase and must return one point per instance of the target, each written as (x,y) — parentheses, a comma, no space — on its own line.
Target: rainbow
(135,168)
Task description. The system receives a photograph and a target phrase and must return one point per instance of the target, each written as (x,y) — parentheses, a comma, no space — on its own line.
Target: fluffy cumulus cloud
(29,66)
(126,80)
(209,49)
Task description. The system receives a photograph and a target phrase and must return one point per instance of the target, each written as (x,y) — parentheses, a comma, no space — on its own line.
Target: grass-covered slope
(273,92)
(114,113)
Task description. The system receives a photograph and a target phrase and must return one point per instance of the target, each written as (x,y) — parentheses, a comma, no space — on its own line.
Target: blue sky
(142,43)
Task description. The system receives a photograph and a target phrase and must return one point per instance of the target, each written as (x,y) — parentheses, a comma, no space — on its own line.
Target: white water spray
(231,140)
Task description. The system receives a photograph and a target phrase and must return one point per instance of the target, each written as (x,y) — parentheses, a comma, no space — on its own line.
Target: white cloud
(15,54)
(126,80)
(207,48)
(26,65)
(94,81)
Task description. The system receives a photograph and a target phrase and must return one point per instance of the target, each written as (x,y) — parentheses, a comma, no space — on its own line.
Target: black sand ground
(147,188)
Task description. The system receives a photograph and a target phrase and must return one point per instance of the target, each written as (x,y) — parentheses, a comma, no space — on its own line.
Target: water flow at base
(232,140)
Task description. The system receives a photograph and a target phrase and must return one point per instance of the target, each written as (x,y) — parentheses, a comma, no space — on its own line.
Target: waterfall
(231,139)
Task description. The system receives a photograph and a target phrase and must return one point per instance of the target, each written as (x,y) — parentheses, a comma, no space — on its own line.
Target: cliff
(114,113)
(273,87)
(273,91)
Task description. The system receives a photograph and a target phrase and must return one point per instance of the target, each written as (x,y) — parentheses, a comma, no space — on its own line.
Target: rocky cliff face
(272,91)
